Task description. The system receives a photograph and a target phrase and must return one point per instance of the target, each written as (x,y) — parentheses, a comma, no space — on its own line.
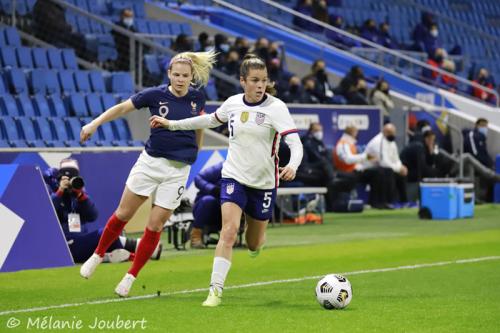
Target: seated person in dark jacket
(206,209)
(420,157)
(475,143)
(75,209)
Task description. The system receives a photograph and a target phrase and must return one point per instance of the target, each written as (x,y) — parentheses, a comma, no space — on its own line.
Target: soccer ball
(334,292)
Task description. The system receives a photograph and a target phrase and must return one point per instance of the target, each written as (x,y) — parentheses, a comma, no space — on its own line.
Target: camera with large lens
(77,183)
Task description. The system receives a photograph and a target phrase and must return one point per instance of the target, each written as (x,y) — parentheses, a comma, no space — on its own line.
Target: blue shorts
(256,203)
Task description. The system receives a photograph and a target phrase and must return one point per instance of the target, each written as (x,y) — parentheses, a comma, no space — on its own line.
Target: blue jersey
(173,145)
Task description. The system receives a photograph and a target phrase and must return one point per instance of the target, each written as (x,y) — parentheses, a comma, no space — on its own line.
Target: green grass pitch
(451,296)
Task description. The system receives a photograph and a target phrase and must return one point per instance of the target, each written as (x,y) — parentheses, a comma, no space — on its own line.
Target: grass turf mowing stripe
(250,285)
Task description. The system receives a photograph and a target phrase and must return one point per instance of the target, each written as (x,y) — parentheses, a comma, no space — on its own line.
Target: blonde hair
(252,61)
(201,64)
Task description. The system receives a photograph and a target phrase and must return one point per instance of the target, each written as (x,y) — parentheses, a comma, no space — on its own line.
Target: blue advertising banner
(334,120)
(30,234)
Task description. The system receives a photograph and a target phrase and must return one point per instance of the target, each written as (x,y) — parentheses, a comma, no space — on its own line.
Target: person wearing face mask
(322,86)
(385,152)
(384,37)
(241,45)
(369,30)
(436,61)
(294,93)
(483,78)
(122,42)
(221,48)
(380,97)
(310,93)
(475,143)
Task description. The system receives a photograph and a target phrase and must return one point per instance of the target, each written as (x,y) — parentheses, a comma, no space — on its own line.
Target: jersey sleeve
(222,112)
(142,99)
(282,121)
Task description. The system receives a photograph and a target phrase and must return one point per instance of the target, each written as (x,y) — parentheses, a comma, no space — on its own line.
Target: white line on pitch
(249,285)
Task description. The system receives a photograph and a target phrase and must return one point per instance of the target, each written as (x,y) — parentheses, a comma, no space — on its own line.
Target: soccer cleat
(118,255)
(90,265)
(157,253)
(214,298)
(255,254)
(123,288)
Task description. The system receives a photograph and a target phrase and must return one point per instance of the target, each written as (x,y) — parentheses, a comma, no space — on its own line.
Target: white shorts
(159,178)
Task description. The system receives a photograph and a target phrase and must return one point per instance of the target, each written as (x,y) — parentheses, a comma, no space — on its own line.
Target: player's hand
(287,173)
(404,171)
(87,131)
(158,122)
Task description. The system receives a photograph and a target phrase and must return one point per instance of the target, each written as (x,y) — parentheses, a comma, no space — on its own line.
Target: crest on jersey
(230,188)
(259,118)
(193,107)
(244,116)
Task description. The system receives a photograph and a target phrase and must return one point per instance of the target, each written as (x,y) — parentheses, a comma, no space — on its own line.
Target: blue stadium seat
(151,64)
(94,104)
(82,82)
(8,57)
(3,88)
(76,105)
(8,106)
(66,82)
(69,59)
(27,129)
(44,128)
(41,106)
(55,58)
(3,42)
(17,81)
(141,26)
(175,28)
(10,128)
(122,129)
(186,29)
(24,58)
(40,58)
(106,132)
(154,27)
(107,101)
(83,25)
(139,10)
(165,28)
(52,82)
(74,126)
(59,128)
(121,82)
(97,81)
(12,37)
(57,108)
(25,105)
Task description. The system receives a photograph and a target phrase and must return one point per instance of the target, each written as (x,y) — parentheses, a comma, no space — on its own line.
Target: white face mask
(434,33)
(318,135)
(128,21)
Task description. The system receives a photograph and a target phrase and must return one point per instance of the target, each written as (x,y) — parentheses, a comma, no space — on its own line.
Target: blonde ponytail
(201,64)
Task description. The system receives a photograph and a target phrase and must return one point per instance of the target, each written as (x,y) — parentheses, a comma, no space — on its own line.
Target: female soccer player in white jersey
(163,167)
(250,175)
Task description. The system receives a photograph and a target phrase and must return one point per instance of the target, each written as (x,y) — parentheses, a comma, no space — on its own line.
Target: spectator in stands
(369,31)
(447,81)
(276,74)
(435,61)
(232,63)
(380,96)
(322,86)
(50,25)
(336,38)
(304,7)
(384,37)
(420,157)
(475,142)
(75,209)
(383,147)
(122,41)
(359,96)
(484,79)
(182,43)
(310,92)
(205,44)
(261,48)
(206,208)
(294,92)
(320,12)
(222,48)
(242,46)
(349,84)
(422,31)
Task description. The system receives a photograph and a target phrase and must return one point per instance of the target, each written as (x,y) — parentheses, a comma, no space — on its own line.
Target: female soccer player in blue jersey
(163,167)
(256,122)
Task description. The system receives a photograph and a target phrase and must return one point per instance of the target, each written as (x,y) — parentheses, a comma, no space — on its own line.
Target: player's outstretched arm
(110,114)
(194,123)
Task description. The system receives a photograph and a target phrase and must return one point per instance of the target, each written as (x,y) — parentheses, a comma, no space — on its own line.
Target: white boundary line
(250,285)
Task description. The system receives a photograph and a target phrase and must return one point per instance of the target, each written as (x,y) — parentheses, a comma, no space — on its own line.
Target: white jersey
(255,131)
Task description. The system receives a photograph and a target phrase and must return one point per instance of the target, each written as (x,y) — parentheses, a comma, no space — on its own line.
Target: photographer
(75,209)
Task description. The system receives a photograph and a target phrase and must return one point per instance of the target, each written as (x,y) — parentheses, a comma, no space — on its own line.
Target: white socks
(219,273)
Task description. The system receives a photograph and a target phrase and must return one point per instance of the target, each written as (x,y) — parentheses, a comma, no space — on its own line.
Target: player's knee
(124,214)
(228,235)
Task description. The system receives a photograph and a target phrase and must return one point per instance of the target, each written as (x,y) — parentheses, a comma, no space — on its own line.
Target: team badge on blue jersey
(193,108)
(259,118)
(244,116)
(230,188)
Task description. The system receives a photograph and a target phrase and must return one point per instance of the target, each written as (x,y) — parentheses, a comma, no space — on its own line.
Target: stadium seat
(121,82)
(40,57)
(122,129)
(107,101)
(97,82)
(165,28)
(3,88)
(60,130)
(52,82)
(57,108)
(83,25)
(154,27)
(40,105)
(151,64)
(82,82)
(69,59)
(66,82)
(8,57)
(17,81)
(12,37)
(94,104)
(8,106)
(186,29)
(24,58)
(74,126)
(44,128)
(25,106)
(77,106)
(3,42)
(11,129)
(55,58)
(175,28)
(141,26)
(27,129)
(106,132)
